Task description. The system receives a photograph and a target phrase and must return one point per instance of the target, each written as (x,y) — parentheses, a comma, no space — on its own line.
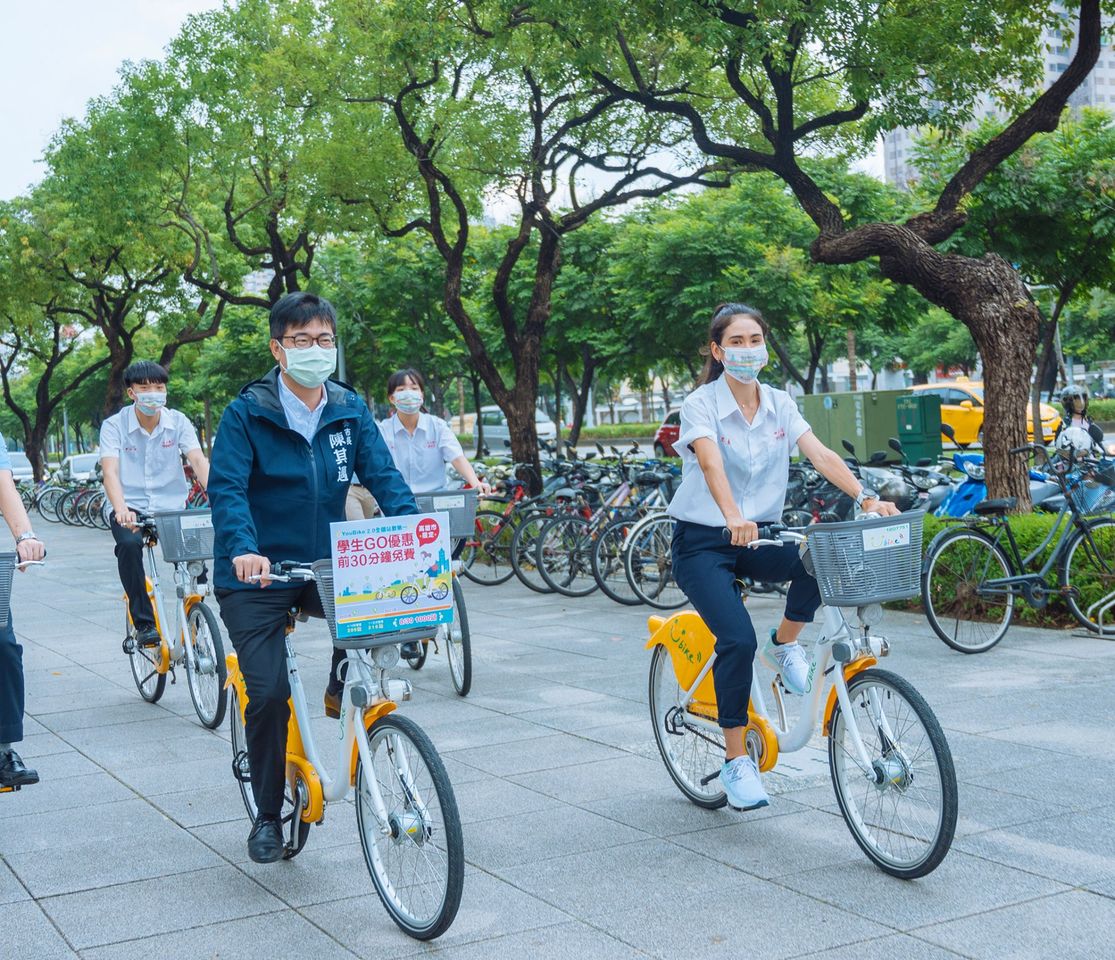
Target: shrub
(1102,410)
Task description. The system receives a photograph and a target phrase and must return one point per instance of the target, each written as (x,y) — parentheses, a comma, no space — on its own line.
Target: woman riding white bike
(735,443)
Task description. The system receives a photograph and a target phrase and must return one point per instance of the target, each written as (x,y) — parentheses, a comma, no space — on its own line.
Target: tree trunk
(478,425)
(208,427)
(460,404)
(852,360)
(581,394)
(558,377)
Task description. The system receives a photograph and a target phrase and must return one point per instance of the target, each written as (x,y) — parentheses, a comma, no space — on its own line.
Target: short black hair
(399,377)
(296,310)
(145,371)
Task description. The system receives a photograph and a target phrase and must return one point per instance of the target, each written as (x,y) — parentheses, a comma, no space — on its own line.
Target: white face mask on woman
(744,363)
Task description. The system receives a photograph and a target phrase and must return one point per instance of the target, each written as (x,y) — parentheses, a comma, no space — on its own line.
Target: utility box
(919,426)
(867,419)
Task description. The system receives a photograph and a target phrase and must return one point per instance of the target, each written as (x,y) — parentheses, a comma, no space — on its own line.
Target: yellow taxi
(962,409)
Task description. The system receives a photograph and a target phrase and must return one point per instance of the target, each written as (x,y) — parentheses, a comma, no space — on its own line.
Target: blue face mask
(744,363)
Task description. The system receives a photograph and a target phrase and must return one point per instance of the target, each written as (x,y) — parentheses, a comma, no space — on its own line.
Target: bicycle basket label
(202,522)
(879,538)
(391,574)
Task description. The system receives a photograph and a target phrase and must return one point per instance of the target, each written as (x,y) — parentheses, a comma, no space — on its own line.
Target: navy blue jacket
(274,494)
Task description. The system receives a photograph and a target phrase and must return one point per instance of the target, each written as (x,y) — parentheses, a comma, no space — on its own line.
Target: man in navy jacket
(284,456)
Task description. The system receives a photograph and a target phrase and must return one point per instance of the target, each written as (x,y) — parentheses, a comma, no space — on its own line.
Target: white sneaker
(740,780)
(793,664)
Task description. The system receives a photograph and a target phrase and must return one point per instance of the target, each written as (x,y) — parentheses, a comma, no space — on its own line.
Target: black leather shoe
(13,773)
(147,637)
(265,842)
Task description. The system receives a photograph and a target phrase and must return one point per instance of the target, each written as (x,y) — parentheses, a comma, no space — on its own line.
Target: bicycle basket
(7,572)
(185,535)
(323,573)
(459,504)
(857,562)
(1093,498)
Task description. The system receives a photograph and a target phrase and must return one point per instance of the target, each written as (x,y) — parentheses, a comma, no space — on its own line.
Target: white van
(496,431)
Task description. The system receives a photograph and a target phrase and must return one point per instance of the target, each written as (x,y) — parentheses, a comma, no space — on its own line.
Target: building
(1097,90)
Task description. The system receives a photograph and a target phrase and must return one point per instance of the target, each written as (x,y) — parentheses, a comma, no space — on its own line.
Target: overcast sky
(58,54)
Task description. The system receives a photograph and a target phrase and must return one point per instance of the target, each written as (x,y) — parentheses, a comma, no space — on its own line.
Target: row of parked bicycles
(600,523)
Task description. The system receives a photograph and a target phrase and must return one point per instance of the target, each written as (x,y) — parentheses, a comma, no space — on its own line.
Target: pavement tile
(1074,925)
(68,793)
(961,886)
(95,918)
(11,889)
(527,756)
(885,948)
(597,780)
(57,829)
(28,934)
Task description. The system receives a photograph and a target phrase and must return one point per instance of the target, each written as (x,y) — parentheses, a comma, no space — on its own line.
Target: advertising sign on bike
(391,573)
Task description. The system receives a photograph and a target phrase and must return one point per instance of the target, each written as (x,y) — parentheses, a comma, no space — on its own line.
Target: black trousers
(11,686)
(129,562)
(256,623)
(708,569)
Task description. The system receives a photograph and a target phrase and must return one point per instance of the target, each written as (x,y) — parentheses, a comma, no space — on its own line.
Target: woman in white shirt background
(421,443)
(735,443)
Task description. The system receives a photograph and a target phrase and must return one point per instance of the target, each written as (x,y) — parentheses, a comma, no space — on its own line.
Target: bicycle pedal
(14,788)
(128,646)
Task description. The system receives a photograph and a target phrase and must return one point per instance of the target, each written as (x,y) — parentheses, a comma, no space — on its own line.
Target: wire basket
(7,572)
(185,535)
(1094,495)
(858,562)
(323,574)
(459,504)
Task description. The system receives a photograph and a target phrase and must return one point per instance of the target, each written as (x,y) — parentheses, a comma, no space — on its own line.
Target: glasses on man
(303,340)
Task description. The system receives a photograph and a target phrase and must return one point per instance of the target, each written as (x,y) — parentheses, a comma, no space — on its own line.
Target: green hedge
(1102,410)
(1029,531)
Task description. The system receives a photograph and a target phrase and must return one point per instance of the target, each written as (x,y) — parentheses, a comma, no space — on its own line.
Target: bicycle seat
(995,508)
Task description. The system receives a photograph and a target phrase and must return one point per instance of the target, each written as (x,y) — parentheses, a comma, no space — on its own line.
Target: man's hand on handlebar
(252,565)
(126,518)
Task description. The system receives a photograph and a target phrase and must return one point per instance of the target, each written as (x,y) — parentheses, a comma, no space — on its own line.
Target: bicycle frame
(185,599)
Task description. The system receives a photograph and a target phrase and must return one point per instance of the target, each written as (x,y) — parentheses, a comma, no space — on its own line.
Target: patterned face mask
(744,363)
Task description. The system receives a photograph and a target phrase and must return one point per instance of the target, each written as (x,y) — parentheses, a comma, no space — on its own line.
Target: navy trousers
(11,686)
(708,568)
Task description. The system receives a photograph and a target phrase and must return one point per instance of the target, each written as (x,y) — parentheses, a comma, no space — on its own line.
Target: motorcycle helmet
(1074,441)
(898,492)
(1074,401)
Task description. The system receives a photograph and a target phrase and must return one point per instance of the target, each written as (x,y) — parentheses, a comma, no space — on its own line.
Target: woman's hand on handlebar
(249,565)
(742,531)
(884,508)
(30,550)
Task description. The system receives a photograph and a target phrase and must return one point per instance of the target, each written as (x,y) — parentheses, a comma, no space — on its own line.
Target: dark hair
(145,371)
(399,377)
(722,318)
(296,310)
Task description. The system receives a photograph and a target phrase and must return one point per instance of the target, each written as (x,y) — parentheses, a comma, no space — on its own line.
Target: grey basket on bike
(7,572)
(323,571)
(185,535)
(1094,495)
(867,561)
(459,504)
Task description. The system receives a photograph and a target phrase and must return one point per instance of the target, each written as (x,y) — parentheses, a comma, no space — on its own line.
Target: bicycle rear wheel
(205,670)
(458,645)
(1088,567)
(607,563)
(902,812)
(145,662)
(524,552)
(649,564)
(413,847)
(486,558)
(957,565)
(692,751)
(565,556)
(47,504)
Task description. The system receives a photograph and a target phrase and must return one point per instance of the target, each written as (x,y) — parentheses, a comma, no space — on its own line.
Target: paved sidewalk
(578,844)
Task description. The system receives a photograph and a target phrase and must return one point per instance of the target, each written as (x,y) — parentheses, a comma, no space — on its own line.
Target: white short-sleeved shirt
(150,464)
(421,457)
(756,455)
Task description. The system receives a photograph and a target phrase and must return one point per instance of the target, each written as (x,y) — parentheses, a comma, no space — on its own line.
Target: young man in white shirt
(141,458)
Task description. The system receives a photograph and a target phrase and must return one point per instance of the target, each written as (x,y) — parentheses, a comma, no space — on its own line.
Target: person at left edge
(141,458)
(13,772)
(284,456)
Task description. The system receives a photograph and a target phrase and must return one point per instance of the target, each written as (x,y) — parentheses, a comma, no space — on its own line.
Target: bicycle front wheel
(524,552)
(607,563)
(902,812)
(648,563)
(410,829)
(564,555)
(205,670)
(486,558)
(459,644)
(957,565)
(1088,570)
(692,751)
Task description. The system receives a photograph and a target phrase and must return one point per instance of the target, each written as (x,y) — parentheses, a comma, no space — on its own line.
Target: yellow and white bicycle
(406,812)
(890,763)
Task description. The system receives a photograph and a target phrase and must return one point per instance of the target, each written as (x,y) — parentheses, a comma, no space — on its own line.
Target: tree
(481,99)
(763,86)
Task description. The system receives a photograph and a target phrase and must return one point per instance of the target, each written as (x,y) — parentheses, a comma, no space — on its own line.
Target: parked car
(667,434)
(495,427)
(962,409)
(21,466)
(80,466)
